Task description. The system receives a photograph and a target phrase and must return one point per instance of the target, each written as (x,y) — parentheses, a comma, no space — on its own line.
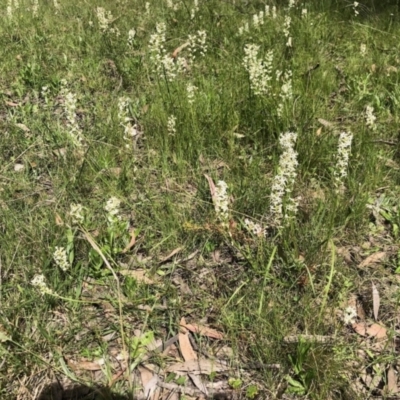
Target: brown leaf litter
(185,369)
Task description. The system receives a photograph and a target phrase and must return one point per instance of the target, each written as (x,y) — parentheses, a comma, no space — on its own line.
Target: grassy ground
(88,282)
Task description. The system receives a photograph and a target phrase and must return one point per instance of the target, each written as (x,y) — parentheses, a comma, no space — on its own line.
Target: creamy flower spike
(131,36)
(191,90)
(253,227)
(283,182)
(363,49)
(74,130)
(112,208)
(39,282)
(370,117)
(349,315)
(222,202)
(343,154)
(171,125)
(76,213)
(60,258)
(260,71)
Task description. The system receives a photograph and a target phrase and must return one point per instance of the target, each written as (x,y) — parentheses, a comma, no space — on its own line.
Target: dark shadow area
(55,391)
(372,6)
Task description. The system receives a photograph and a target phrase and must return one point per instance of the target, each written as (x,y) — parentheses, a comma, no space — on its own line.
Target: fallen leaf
(138,274)
(216,256)
(204,331)
(107,338)
(373,259)
(179,49)
(201,366)
(62,152)
(85,365)
(376,301)
(345,253)
(149,381)
(224,352)
(18,167)
(213,189)
(360,328)
(183,286)
(326,123)
(11,104)
(131,242)
(170,255)
(376,331)
(390,69)
(23,127)
(319,131)
(199,383)
(59,221)
(184,343)
(190,256)
(392,381)
(174,396)
(116,171)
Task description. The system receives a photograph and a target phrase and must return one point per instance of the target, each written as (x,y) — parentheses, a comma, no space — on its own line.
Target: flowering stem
(271,258)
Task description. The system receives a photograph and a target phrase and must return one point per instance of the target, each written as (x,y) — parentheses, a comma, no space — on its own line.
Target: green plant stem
(329,284)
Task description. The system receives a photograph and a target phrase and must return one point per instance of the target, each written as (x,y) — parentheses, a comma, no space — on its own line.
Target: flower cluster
(131,37)
(349,315)
(363,49)
(171,125)
(167,65)
(195,9)
(283,182)
(9,9)
(112,208)
(76,213)
(39,282)
(253,227)
(221,202)
(258,19)
(61,259)
(191,90)
(260,71)
(163,62)
(105,19)
(286,90)
(35,8)
(370,117)
(344,148)
(130,127)
(74,130)
(172,5)
(355,8)
(197,44)
(286,30)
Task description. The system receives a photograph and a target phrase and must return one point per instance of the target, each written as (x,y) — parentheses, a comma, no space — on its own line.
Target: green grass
(256,290)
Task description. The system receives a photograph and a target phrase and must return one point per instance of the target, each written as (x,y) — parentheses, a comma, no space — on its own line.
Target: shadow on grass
(55,391)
